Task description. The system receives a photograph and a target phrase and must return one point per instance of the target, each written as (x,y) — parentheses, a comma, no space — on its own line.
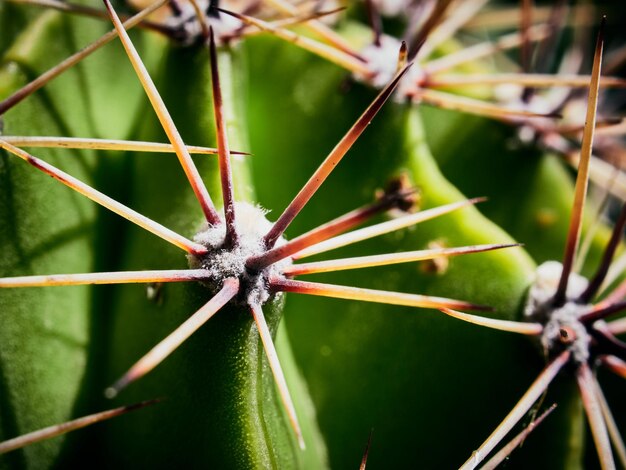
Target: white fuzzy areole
(546,283)
(221,263)
(391,7)
(541,102)
(539,308)
(187,21)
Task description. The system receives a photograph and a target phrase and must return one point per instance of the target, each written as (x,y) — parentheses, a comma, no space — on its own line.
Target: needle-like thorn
(605,264)
(370,295)
(157,354)
(382,228)
(517,441)
(166,121)
(367,451)
(387,259)
(593,409)
(538,387)
(59,429)
(332,228)
(104,200)
(582,180)
(330,163)
(525,328)
(277,371)
(121,277)
(61,67)
(223,149)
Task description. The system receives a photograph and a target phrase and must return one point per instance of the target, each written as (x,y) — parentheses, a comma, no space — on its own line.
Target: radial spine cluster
(222,262)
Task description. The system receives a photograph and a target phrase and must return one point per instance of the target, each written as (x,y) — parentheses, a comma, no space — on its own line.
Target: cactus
(417,377)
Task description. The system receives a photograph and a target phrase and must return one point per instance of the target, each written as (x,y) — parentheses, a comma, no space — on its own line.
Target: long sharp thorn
(64,7)
(526,19)
(607,257)
(277,371)
(166,121)
(525,328)
(573,235)
(602,313)
(613,127)
(326,33)
(74,8)
(592,406)
(369,295)
(288,22)
(614,434)
(474,106)
(547,48)
(506,451)
(226,175)
(538,387)
(387,259)
(336,56)
(59,429)
(367,451)
(61,67)
(615,365)
(375,21)
(121,277)
(598,210)
(157,354)
(460,15)
(201,17)
(483,49)
(383,228)
(111,204)
(331,161)
(527,79)
(403,56)
(602,172)
(618,267)
(330,229)
(103,144)
(436,15)
(607,342)
(616,296)
(618,327)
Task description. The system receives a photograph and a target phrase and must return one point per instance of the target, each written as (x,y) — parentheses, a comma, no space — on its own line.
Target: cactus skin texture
(428,386)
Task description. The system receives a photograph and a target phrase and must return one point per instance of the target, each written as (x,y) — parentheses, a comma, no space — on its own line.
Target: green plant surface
(48,228)
(45,228)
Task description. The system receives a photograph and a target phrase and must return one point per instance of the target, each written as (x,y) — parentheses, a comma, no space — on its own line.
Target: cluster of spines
(323,238)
